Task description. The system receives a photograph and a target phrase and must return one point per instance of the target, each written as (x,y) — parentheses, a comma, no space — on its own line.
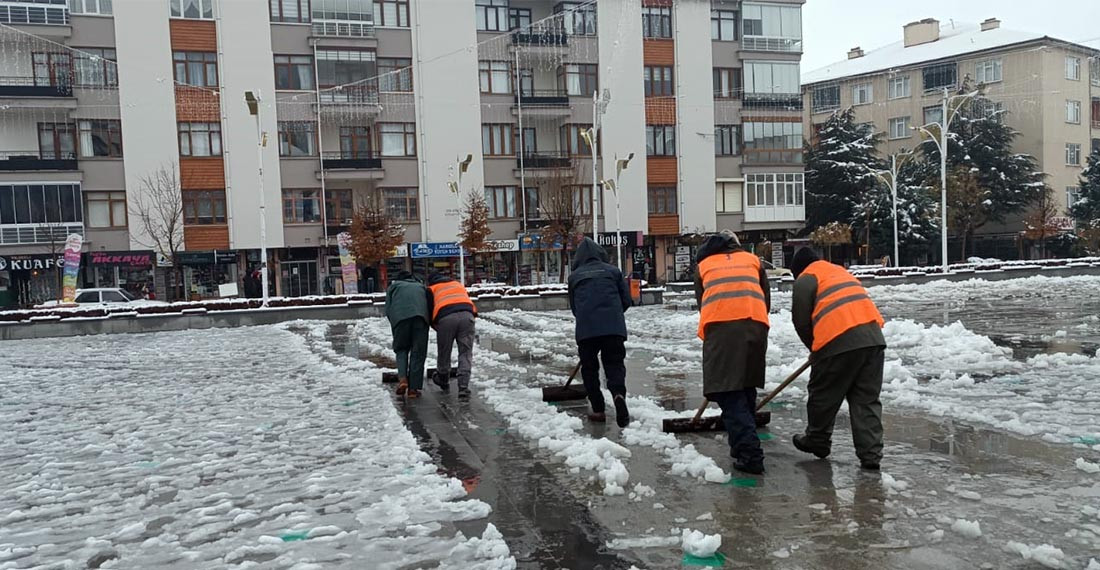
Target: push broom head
(708,423)
(563,393)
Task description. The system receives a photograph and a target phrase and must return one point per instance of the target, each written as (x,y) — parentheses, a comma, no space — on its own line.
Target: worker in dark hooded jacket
(734,299)
(453,316)
(598,297)
(838,322)
(407,310)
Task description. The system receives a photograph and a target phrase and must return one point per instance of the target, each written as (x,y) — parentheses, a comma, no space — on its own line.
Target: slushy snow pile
(969,529)
(1087,466)
(700,545)
(1044,554)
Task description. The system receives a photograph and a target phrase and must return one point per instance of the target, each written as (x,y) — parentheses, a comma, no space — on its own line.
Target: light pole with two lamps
(592,138)
(620,166)
(252,99)
(892,184)
(456,189)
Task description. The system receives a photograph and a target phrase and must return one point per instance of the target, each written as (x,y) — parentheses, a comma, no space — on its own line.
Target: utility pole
(522,150)
(252,99)
(591,136)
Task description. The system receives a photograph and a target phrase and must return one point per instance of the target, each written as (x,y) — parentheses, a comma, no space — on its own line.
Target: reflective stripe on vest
(731,290)
(449,293)
(842,303)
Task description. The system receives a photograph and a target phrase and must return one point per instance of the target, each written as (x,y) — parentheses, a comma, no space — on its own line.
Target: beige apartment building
(1049,90)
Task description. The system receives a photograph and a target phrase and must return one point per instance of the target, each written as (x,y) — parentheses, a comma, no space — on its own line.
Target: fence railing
(768,43)
(46,12)
(351,160)
(12,234)
(544,98)
(343,28)
(21,86)
(546,159)
(26,160)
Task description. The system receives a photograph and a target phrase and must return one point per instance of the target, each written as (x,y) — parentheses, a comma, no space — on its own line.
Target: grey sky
(832,27)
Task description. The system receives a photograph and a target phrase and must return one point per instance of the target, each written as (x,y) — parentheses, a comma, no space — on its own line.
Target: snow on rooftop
(954,40)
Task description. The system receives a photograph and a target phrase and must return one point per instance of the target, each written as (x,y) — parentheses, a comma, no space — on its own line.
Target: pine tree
(917,210)
(1086,210)
(839,165)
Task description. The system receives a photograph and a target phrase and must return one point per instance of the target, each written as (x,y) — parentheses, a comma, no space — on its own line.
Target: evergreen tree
(839,165)
(917,211)
(980,143)
(1086,210)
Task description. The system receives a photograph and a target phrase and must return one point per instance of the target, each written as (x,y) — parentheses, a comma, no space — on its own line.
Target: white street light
(591,138)
(456,189)
(620,165)
(892,184)
(252,99)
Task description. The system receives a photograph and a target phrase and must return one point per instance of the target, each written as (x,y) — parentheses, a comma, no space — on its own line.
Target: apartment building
(1048,90)
(391,102)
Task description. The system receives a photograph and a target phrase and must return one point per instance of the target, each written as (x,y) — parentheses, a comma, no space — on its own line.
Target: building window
(863,94)
(495,77)
(662,200)
(40,204)
(197,68)
(192,9)
(577,18)
(578,79)
(501,201)
(105,209)
(770,190)
(203,207)
(899,128)
(773,143)
(1073,194)
(1073,68)
(772,78)
(200,139)
(519,18)
(728,198)
(940,76)
(1073,112)
(727,140)
(57,141)
(572,141)
(771,27)
(989,71)
(395,75)
(656,22)
(397,139)
(95,67)
(301,206)
(401,203)
(658,81)
(100,138)
(899,87)
(295,11)
(89,7)
(297,138)
(660,140)
(355,142)
(933,115)
(723,25)
(339,207)
(347,76)
(391,13)
(54,69)
(826,98)
(492,15)
(496,140)
(727,83)
(293,72)
(1073,154)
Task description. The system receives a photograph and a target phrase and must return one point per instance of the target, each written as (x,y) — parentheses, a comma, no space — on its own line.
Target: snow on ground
(224,448)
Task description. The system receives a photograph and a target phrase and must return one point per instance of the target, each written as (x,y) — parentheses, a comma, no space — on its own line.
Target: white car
(103,296)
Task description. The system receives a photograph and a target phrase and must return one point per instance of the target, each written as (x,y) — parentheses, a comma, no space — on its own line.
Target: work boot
(869,465)
(463,391)
(622,415)
(750,467)
(413,394)
(597,417)
(402,386)
(801,445)
(442,381)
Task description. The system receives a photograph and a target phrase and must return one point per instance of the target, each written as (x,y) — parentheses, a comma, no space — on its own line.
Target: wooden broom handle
(699,412)
(573,374)
(794,376)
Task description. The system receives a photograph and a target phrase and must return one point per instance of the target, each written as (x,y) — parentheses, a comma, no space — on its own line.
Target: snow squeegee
(714,423)
(567,392)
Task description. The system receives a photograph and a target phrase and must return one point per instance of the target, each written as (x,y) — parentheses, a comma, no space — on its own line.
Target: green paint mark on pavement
(1087,440)
(765,436)
(295,536)
(500,431)
(148,464)
(350,402)
(735,482)
(716,561)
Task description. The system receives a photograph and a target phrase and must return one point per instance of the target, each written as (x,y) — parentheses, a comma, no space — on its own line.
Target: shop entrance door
(299,278)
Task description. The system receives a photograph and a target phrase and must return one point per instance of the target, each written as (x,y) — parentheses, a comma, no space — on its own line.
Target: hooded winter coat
(407,298)
(598,295)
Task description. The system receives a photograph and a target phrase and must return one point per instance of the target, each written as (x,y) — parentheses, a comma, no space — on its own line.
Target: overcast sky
(832,27)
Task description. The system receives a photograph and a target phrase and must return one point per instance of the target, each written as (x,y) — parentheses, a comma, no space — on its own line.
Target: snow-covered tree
(1086,211)
(839,166)
(917,215)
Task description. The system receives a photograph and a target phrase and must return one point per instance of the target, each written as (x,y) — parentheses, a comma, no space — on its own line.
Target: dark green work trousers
(855,376)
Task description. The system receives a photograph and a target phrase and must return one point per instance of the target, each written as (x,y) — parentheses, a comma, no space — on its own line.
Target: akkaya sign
(121,259)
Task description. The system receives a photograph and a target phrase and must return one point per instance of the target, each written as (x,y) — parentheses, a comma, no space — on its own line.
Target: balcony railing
(47,12)
(13,234)
(351,161)
(773,101)
(546,159)
(28,160)
(343,28)
(768,43)
(364,93)
(26,87)
(540,38)
(544,98)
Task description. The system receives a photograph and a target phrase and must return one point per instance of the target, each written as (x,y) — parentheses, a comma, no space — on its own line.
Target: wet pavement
(802,514)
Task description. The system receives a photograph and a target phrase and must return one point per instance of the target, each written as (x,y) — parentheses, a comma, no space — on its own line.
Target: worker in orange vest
(732,290)
(838,322)
(453,316)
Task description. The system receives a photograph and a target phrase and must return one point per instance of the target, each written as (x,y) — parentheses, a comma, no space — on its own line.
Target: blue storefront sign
(424,250)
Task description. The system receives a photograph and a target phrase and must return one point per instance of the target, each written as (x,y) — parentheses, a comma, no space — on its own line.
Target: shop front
(205,271)
(28,280)
(299,272)
(541,260)
(129,270)
(626,242)
(498,262)
(437,256)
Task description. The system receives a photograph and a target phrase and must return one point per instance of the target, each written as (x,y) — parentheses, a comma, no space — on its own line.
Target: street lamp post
(620,165)
(592,138)
(252,99)
(456,189)
(892,183)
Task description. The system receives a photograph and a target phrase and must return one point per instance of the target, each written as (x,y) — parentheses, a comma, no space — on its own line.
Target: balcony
(773,44)
(543,98)
(343,29)
(540,38)
(773,101)
(35,12)
(350,161)
(548,159)
(15,234)
(31,160)
(27,87)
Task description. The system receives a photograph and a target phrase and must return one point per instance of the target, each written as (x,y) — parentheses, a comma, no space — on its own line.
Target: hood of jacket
(715,244)
(436,278)
(588,251)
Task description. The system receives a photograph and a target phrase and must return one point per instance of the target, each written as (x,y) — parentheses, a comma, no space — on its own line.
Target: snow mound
(969,529)
(642,542)
(700,545)
(1044,554)
(486,553)
(705,517)
(1086,466)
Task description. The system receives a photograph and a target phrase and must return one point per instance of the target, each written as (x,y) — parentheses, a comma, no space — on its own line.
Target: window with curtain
(105,209)
(723,25)
(297,138)
(491,15)
(660,140)
(57,141)
(192,9)
(899,87)
(578,79)
(339,207)
(397,139)
(401,203)
(519,19)
(727,139)
(501,201)
(572,141)
(203,207)
(727,83)
(657,81)
(728,198)
(200,139)
(395,75)
(772,143)
(91,7)
(391,13)
(496,140)
(301,206)
(579,19)
(656,21)
(290,11)
(95,67)
(662,200)
(772,78)
(355,142)
(294,72)
(198,68)
(495,76)
(100,138)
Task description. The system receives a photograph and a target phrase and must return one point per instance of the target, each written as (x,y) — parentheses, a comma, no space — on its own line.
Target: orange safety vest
(842,303)
(731,290)
(449,293)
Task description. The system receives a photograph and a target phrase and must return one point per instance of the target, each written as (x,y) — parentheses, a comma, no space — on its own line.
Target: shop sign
(208,257)
(347,264)
(120,258)
(1063,223)
(777,255)
(73,243)
(401,251)
(32,262)
(501,245)
(423,250)
(607,239)
(534,242)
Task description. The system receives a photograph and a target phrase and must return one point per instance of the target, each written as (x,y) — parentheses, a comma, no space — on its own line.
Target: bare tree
(567,217)
(474,230)
(1041,223)
(157,208)
(55,244)
(832,233)
(965,195)
(374,235)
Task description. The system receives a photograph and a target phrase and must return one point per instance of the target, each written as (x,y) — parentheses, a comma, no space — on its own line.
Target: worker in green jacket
(407,301)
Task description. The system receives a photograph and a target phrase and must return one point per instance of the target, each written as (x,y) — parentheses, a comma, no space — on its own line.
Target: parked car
(108,296)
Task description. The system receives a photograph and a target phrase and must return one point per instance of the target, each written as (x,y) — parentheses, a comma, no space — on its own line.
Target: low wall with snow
(1007,272)
(132,323)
